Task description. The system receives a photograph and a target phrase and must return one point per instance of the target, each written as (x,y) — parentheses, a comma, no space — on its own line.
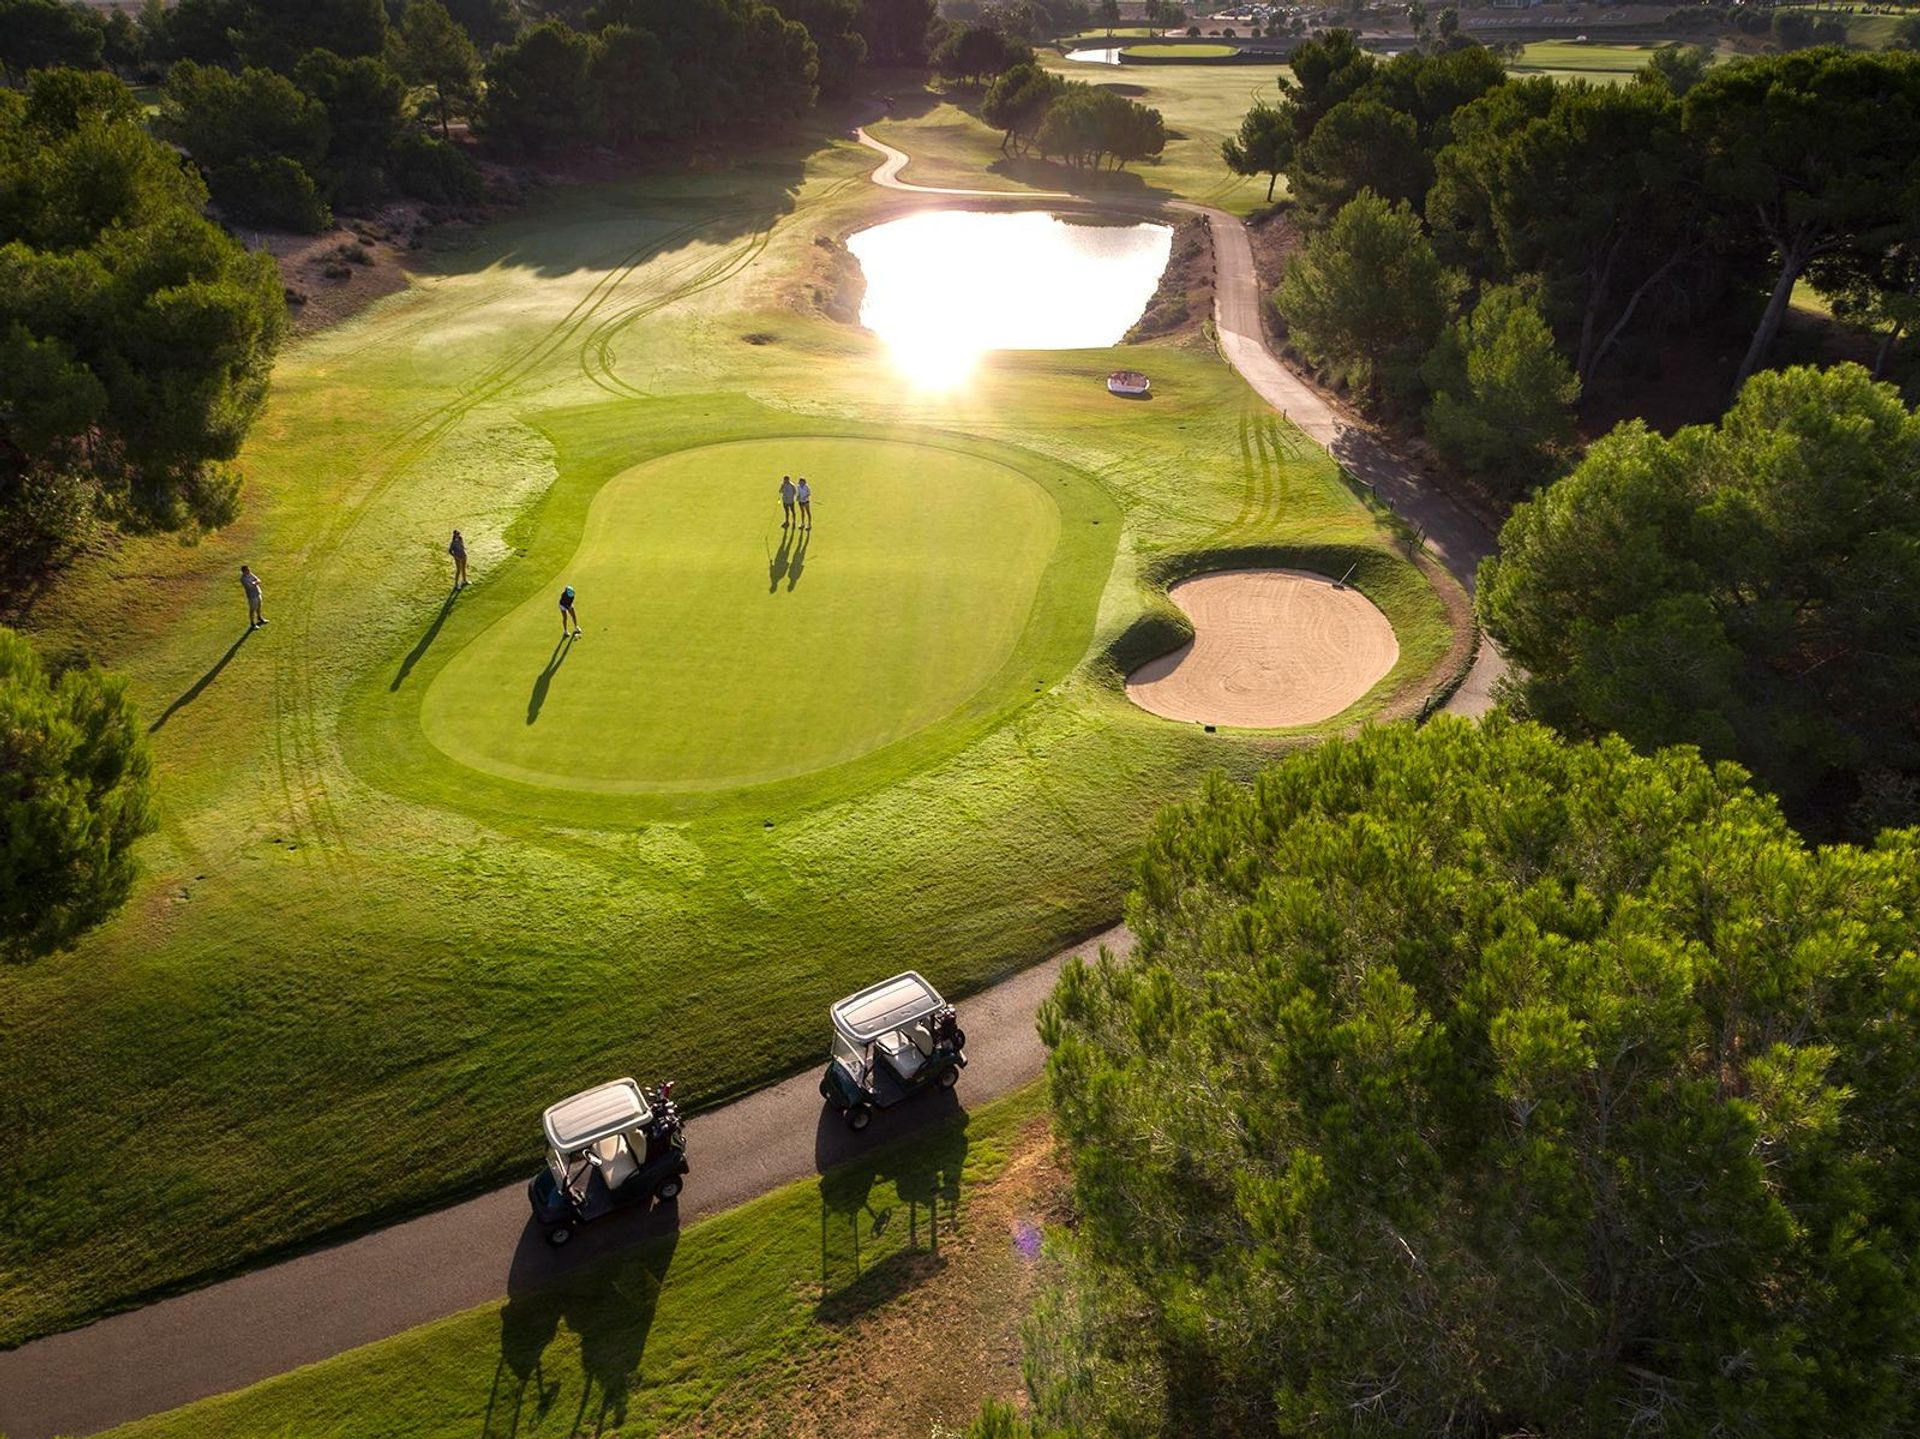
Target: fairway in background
(722,650)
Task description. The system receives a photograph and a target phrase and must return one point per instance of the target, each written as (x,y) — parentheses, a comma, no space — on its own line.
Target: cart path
(256,1325)
(267,1322)
(1455,536)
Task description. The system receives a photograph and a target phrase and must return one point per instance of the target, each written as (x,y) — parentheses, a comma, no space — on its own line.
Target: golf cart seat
(617,1164)
(903,1054)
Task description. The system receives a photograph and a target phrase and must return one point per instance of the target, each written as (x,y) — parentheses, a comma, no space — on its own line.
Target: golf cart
(891,1040)
(611,1146)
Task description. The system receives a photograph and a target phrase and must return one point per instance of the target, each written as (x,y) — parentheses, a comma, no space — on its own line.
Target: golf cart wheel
(950,1077)
(559,1235)
(959,1038)
(668,1189)
(860,1116)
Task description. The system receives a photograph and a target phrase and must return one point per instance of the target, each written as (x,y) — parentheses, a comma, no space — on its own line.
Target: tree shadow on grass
(545,681)
(193,691)
(1053,175)
(605,1287)
(884,1211)
(663,200)
(414,655)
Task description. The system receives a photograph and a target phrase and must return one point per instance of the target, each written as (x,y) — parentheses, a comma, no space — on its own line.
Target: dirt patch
(1276,239)
(833,285)
(1184,300)
(1271,649)
(923,1362)
(339,272)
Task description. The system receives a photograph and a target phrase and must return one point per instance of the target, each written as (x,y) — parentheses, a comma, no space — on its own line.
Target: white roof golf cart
(607,1147)
(891,1040)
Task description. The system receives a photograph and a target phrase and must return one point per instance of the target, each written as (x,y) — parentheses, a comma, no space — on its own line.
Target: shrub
(75,798)
(434,171)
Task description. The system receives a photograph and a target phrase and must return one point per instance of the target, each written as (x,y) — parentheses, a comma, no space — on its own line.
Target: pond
(1108,56)
(946,286)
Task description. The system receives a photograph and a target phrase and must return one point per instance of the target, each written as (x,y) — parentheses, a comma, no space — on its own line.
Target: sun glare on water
(947,286)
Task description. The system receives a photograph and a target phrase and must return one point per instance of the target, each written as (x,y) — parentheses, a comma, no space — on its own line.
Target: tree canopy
(137,337)
(1817,147)
(1263,146)
(1752,588)
(48,34)
(1501,393)
(1367,299)
(75,795)
(258,138)
(1468,1081)
(437,53)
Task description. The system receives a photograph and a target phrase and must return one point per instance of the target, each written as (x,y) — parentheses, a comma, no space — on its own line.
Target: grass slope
(348,953)
(1203,104)
(703,1330)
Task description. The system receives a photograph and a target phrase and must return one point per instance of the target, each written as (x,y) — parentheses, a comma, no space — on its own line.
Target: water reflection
(946,286)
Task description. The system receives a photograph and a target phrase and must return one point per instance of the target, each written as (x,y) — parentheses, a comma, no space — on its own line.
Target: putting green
(721,650)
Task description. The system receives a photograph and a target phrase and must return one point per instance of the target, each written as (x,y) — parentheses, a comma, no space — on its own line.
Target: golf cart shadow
(604,1287)
(885,1212)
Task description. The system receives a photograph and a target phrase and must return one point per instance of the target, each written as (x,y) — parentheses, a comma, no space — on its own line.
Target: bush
(271,190)
(434,171)
(76,797)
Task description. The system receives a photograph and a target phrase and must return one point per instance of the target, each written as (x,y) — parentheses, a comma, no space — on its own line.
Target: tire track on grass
(298,741)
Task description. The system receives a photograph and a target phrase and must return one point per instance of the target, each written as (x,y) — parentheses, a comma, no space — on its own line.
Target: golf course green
(726,648)
(385,920)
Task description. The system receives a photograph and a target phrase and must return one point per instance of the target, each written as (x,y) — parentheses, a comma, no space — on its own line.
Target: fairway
(356,967)
(724,650)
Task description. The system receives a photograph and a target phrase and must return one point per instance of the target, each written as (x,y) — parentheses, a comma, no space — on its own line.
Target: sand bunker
(1271,648)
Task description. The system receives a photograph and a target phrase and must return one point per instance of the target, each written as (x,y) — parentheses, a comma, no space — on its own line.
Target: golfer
(805,495)
(458,549)
(250,582)
(787,493)
(567,616)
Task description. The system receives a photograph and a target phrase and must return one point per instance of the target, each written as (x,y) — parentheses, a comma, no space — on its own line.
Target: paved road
(246,1329)
(270,1321)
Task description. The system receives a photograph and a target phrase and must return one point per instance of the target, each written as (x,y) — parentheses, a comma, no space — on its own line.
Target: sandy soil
(1271,648)
(922,1362)
(1184,299)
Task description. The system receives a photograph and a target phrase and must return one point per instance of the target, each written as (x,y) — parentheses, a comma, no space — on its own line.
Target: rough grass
(346,956)
(713,1329)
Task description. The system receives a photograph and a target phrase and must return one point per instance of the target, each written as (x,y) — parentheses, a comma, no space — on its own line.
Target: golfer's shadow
(788,560)
(193,691)
(413,656)
(545,681)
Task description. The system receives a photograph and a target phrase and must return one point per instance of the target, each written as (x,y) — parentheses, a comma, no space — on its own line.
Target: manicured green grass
(355,969)
(1202,104)
(1092,39)
(1179,52)
(684,1329)
(728,650)
(1606,63)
